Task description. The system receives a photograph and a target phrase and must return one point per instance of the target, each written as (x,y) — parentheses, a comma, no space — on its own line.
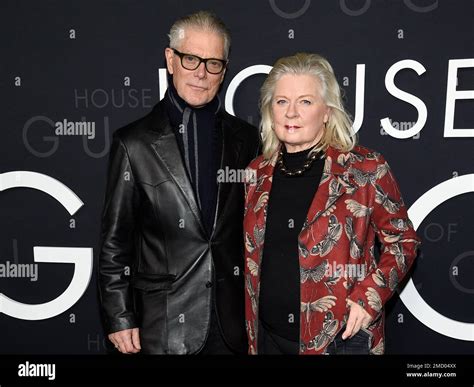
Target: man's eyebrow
(210,57)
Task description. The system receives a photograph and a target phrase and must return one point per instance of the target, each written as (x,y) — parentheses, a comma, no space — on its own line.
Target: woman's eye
(306,102)
(280,102)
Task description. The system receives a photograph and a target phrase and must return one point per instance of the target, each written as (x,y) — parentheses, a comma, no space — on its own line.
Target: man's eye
(214,63)
(190,58)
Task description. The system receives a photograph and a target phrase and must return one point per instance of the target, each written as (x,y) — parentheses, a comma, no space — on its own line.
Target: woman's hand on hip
(358,318)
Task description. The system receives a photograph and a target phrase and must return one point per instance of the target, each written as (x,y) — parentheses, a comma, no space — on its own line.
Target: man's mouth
(200,88)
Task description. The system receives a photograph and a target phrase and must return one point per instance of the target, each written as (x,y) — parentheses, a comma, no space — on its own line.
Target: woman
(316,201)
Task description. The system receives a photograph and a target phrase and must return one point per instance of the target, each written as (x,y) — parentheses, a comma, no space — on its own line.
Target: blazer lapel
(167,150)
(336,180)
(333,185)
(261,195)
(231,151)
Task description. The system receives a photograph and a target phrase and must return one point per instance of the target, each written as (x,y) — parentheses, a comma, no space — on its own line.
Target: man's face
(196,87)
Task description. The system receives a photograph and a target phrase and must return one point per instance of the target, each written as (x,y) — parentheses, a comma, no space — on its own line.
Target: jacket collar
(336,180)
(336,163)
(166,148)
(159,122)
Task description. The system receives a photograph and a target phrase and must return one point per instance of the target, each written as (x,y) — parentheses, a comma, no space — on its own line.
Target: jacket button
(208,284)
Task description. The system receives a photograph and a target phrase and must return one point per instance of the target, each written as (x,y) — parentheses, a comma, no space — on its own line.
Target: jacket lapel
(335,181)
(231,151)
(261,195)
(333,184)
(167,151)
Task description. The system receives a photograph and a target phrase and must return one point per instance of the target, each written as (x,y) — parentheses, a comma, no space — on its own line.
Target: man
(166,218)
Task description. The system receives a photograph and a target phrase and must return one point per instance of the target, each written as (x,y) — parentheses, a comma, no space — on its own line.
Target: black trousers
(358,345)
(271,344)
(215,344)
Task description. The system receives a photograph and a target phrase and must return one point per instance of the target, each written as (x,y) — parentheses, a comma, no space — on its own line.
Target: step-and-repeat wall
(407,68)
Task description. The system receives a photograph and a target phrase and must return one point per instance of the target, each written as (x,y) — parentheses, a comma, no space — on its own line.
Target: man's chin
(197,102)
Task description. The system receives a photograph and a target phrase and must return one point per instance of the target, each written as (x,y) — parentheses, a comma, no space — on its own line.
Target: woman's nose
(291,111)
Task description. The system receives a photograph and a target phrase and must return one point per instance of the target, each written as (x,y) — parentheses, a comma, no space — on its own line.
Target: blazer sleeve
(117,241)
(399,241)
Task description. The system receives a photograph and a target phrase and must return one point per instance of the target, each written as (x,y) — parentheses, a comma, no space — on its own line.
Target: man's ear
(222,75)
(169,55)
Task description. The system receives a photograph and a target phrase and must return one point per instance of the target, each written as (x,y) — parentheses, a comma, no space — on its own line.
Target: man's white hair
(203,20)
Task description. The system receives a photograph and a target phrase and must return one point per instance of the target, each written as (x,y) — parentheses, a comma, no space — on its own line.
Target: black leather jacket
(151,224)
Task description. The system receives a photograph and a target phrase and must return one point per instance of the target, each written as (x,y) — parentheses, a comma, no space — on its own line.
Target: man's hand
(126,341)
(358,318)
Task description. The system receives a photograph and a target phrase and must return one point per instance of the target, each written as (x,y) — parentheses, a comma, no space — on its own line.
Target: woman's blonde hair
(338,131)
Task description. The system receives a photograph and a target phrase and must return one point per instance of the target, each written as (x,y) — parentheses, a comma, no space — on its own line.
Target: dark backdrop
(99,62)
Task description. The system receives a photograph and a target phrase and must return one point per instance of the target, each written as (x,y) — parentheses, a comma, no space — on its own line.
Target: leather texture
(151,224)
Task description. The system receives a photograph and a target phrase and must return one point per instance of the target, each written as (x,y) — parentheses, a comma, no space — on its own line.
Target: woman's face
(299,112)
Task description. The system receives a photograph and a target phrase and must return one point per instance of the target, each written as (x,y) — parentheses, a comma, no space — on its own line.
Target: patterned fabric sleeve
(399,244)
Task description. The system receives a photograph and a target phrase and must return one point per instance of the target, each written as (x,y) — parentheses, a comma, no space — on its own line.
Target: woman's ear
(327,114)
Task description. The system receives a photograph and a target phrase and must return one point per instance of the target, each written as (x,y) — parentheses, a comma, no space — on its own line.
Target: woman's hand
(358,318)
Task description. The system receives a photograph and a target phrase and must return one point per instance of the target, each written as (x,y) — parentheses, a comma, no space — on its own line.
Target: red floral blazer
(357,198)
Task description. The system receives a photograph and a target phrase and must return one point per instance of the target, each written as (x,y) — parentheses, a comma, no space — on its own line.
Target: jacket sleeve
(117,241)
(399,245)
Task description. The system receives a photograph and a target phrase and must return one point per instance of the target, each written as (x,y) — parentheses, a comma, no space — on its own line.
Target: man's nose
(201,72)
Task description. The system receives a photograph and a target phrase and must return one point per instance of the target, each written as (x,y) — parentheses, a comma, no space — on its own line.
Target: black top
(289,202)
(203,148)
